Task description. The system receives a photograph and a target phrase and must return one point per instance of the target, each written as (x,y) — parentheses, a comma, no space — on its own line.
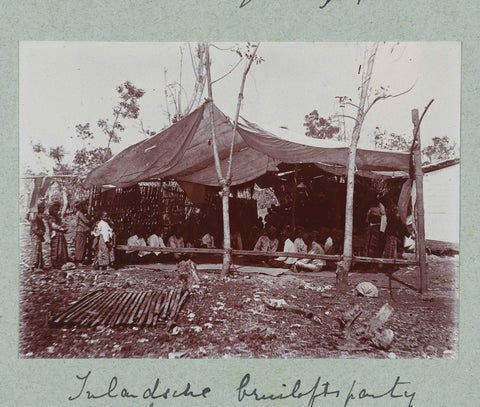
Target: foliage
(392,141)
(127,108)
(58,154)
(248,52)
(442,149)
(85,160)
(318,127)
(39,148)
(83,131)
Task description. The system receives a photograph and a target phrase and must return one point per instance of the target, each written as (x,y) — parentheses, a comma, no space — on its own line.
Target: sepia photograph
(247,200)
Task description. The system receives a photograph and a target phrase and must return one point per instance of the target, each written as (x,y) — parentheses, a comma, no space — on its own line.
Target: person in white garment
(175,241)
(155,240)
(313,265)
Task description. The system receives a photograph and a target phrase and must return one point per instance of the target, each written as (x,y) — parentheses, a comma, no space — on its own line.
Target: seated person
(155,240)
(268,241)
(175,241)
(299,246)
(313,248)
(326,237)
(207,241)
(299,242)
(252,237)
(328,244)
(137,240)
(236,240)
(288,246)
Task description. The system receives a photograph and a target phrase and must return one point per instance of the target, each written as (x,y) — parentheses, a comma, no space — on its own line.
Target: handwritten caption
(323,3)
(245,390)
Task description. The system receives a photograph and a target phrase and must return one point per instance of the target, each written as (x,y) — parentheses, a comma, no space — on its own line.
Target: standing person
(82,228)
(393,233)
(58,243)
(376,224)
(37,232)
(104,243)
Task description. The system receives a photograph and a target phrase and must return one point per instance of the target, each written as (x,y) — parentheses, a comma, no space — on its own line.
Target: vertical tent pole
(420,245)
(294,200)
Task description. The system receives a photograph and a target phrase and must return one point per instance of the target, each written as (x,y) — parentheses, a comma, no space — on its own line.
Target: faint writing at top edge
(325,3)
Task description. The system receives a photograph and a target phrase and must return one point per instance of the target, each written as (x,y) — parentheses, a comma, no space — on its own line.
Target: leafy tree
(392,141)
(58,154)
(85,160)
(39,148)
(442,149)
(318,127)
(127,108)
(249,54)
(83,131)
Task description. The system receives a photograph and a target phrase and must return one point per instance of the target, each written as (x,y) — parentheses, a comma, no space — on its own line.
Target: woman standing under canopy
(376,220)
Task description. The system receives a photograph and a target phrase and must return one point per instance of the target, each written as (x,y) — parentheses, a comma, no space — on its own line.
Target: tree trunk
(227,246)
(225,182)
(227,258)
(420,246)
(343,267)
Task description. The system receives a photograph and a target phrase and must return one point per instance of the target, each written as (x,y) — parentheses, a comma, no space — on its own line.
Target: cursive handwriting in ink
(363,394)
(328,1)
(109,393)
(150,393)
(325,4)
(154,394)
(243,391)
(245,2)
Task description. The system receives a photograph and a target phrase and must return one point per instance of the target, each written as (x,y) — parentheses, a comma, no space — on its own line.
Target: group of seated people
(299,242)
(155,240)
(266,240)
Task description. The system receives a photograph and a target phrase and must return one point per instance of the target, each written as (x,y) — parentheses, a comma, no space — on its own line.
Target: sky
(63,84)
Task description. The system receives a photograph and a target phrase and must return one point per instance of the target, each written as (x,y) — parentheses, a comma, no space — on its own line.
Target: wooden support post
(419,209)
(294,200)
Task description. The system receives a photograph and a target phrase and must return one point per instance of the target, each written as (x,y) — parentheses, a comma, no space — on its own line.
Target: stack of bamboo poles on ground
(114,308)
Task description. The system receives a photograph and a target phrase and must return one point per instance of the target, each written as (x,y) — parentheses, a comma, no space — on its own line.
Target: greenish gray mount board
(38,383)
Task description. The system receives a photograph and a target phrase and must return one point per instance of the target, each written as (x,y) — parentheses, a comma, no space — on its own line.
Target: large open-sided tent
(184,152)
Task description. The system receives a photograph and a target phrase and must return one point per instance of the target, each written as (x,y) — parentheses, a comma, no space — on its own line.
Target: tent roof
(184,151)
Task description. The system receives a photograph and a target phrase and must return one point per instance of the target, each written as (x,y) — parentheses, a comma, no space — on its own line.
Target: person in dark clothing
(394,232)
(82,229)
(376,221)
(37,232)
(58,243)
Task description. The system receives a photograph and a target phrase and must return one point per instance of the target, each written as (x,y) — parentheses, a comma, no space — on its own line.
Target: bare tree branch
(221,49)
(345,115)
(383,97)
(418,126)
(237,114)
(229,72)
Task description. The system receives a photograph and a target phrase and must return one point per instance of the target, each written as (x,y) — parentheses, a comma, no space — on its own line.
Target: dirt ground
(228,318)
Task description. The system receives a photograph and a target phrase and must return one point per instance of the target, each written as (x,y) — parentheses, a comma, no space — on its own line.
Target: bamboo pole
(294,200)
(332,257)
(419,207)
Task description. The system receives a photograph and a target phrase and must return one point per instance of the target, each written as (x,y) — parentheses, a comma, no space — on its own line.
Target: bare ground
(229,319)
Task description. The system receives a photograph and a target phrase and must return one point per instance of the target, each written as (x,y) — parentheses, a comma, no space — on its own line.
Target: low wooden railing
(331,257)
